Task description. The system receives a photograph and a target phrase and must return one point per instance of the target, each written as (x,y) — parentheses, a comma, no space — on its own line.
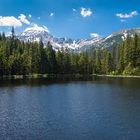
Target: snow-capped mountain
(113,40)
(36,33)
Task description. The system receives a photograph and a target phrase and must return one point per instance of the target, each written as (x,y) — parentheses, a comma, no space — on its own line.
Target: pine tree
(109,63)
(51,57)
(43,58)
(121,64)
(98,69)
(134,52)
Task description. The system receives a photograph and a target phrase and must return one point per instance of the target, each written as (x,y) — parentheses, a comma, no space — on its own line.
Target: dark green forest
(26,58)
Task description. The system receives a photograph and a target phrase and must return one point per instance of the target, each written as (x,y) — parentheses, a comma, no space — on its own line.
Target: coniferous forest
(25,58)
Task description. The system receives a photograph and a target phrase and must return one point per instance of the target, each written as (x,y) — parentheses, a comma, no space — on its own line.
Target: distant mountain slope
(116,38)
(113,40)
(36,33)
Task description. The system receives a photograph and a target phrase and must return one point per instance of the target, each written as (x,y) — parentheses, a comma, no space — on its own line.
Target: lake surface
(98,109)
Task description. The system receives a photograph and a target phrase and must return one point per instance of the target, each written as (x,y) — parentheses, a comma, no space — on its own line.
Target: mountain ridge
(36,33)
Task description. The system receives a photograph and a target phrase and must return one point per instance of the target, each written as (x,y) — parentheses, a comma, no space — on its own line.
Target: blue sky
(71,18)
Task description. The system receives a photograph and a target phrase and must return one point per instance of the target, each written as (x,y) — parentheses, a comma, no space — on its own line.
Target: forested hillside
(24,58)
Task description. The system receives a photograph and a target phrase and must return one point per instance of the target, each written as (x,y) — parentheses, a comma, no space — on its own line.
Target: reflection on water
(99,108)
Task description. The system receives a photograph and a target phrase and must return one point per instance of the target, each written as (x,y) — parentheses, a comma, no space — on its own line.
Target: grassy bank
(117,76)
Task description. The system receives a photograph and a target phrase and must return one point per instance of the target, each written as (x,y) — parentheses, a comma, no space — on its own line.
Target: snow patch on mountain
(35,33)
(36,28)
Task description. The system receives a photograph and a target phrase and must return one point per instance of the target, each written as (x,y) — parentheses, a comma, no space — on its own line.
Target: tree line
(25,58)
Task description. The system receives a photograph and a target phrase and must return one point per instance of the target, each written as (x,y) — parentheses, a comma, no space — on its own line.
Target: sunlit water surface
(102,109)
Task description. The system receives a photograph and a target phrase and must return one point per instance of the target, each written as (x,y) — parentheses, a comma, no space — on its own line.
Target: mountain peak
(36,32)
(36,28)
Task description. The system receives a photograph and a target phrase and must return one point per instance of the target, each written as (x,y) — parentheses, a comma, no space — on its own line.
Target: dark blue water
(102,109)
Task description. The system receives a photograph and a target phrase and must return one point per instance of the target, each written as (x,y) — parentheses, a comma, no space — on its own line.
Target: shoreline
(45,76)
(117,76)
(62,76)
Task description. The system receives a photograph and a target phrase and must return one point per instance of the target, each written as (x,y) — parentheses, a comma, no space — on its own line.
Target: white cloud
(51,14)
(74,10)
(23,19)
(125,16)
(29,16)
(94,35)
(38,17)
(86,12)
(10,21)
